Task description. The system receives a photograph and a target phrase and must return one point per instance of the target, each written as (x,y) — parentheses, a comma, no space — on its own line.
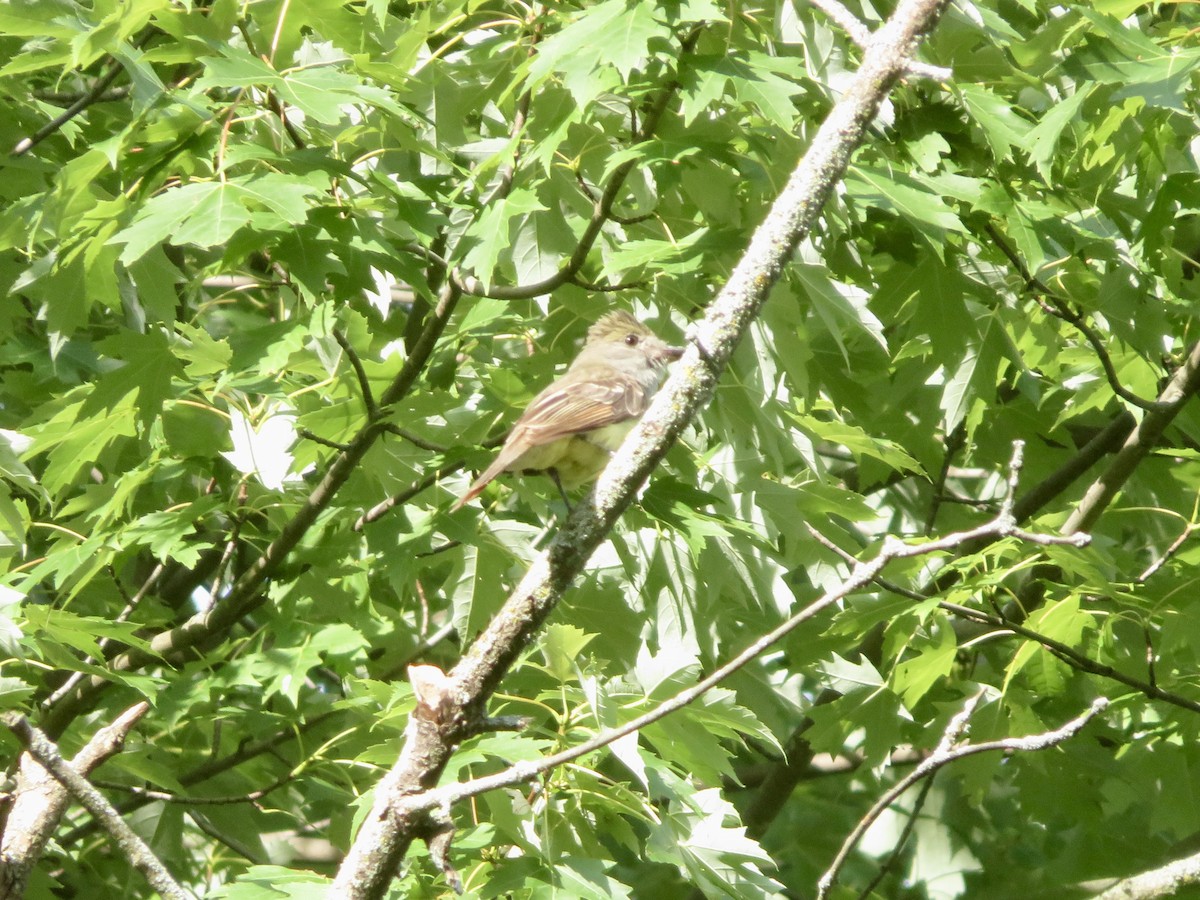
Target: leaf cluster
(294,259)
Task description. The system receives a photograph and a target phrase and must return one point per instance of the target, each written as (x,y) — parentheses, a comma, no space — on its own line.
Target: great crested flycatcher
(571,428)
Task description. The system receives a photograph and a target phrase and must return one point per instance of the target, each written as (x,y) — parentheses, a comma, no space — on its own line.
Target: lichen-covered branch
(388,831)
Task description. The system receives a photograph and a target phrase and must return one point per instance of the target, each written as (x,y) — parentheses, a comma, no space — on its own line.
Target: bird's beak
(671,352)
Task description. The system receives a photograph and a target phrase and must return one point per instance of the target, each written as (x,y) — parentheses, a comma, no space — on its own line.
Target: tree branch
(1105,442)
(863,574)
(945,754)
(264,745)
(387,832)
(364,383)
(1064,652)
(1061,309)
(861,35)
(1183,384)
(94,95)
(41,748)
(175,645)
(1165,881)
(39,801)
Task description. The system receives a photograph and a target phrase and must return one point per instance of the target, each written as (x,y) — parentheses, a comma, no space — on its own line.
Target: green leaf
(171,535)
(1118,55)
(1002,127)
(914,677)
(274,883)
(561,645)
(836,304)
(858,441)
(144,375)
(1063,622)
(616,33)
(76,441)
(925,211)
(492,236)
(1043,138)
(80,632)
(208,213)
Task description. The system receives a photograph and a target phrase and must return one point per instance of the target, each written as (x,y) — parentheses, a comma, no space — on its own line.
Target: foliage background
(260,184)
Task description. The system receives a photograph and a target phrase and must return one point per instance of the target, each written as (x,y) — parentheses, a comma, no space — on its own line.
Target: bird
(570,429)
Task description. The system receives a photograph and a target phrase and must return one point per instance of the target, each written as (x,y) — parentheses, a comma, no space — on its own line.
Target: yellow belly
(581,462)
(577,459)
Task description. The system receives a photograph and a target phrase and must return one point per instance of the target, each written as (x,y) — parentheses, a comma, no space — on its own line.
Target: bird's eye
(631,340)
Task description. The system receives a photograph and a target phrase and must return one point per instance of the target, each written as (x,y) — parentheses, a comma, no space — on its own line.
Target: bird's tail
(479,484)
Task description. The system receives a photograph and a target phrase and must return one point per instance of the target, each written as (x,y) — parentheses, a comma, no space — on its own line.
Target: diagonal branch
(41,748)
(38,802)
(1056,306)
(1183,384)
(387,831)
(247,594)
(1106,441)
(945,754)
(1165,881)
(96,94)
(863,574)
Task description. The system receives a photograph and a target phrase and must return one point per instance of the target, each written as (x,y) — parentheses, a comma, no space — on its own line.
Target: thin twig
(401,294)
(945,754)
(132,604)
(894,857)
(1070,656)
(441,548)
(167,797)
(1168,553)
(608,288)
(207,827)
(272,100)
(309,435)
(379,510)
(416,440)
(364,384)
(955,441)
(66,98)
(999,621)
(613,216)
(277,107)
(632,220)
(1058,307)
(94,95)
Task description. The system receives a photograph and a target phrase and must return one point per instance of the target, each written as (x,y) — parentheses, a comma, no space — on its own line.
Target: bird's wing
(571,407)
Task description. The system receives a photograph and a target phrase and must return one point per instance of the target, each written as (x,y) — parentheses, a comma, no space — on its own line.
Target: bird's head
(618,334)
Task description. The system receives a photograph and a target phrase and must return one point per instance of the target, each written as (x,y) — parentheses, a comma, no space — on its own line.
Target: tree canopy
(276,277)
